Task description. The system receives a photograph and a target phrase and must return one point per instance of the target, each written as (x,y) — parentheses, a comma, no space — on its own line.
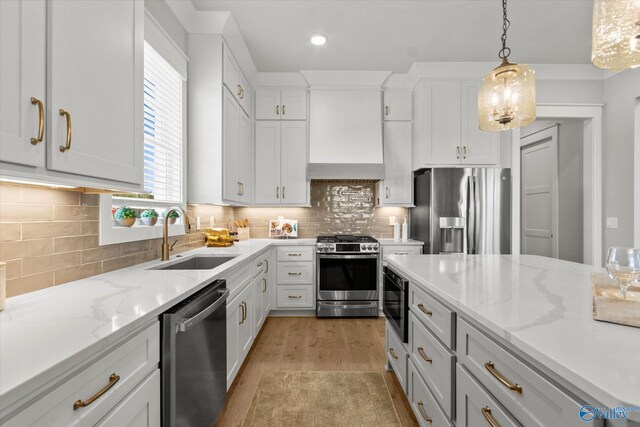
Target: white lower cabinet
(141,408)
(260,292)
(295,278)
(423,403)
(289,296)
(397,355)
(476,407)
(124,371)
(240,313)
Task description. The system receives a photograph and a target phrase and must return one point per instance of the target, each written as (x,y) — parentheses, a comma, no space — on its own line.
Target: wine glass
(623,266)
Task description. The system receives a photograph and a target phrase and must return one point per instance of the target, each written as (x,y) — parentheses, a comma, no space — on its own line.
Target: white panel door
(230,73)
(245,94)
(267,104)
(293,104)
(246,326)
(140,408)
(267,182)
(22,77)
(258,311)
(231,147)
(398,176)
(478,147)
(95,63)
(235,316)
(539,193)
(397,105)
(293,163)
(443,124)
(245,159)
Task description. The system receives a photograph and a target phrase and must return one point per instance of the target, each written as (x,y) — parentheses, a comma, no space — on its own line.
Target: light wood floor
(308,343)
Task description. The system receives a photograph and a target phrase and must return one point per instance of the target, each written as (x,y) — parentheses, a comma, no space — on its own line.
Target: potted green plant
(173,216)
(149,217)
(125,216)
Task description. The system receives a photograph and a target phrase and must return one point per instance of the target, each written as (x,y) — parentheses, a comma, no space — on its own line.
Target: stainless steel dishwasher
(194,358)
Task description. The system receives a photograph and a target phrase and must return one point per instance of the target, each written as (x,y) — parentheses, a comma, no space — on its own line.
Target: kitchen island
(539,310)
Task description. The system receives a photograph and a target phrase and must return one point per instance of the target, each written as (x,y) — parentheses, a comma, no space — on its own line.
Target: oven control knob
(332,248)
(320,248)
(370,247)
(375,247)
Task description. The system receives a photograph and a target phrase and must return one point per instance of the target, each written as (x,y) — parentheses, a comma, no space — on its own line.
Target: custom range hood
(345,136)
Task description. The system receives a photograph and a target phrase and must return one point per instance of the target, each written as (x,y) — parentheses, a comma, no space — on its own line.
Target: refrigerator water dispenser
(451,235)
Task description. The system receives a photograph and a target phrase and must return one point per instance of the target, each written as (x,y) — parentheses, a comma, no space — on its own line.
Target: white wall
(620,91)
(168,21)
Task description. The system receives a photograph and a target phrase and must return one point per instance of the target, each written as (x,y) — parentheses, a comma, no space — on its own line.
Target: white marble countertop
(540,307)
(391,242)
(47,333)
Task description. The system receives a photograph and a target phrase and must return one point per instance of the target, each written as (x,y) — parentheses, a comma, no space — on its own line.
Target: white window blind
(163,128)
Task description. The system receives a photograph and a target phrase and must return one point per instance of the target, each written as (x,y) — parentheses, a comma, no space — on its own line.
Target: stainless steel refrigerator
(462,210)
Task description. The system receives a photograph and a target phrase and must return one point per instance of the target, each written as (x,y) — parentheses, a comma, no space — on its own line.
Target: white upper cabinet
(22,82)
(95,92)
(478,147)
(397,105)
(396,189)
(281,163)
(234,80)
(231,148)
(286,104)
(246,166)
(445,129)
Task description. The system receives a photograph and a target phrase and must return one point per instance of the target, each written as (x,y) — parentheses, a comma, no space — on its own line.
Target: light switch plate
(392,220)
(198,223)
(612,222)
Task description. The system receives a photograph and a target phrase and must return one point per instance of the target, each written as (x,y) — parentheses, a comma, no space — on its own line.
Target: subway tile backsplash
(50,236)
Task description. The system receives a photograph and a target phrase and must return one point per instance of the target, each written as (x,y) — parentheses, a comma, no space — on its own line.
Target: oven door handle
(340,256)
(399,283)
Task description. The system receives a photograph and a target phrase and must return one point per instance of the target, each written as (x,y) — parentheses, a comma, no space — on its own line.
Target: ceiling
(391,35)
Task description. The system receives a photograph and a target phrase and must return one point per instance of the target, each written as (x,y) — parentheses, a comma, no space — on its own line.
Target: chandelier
(616,34)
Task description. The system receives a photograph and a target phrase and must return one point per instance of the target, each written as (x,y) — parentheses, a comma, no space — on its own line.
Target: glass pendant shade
(616,34)
(507,98)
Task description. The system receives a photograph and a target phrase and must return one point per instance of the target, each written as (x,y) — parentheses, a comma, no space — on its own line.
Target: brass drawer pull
(295,274)
(423,413)
(277,192)
(283,196)
(458,152)
(292,254)
(267,261)
(424,355)
(113,379)
(40,104)
(295,296)
(393,353)
(465,152)
(424,310)
(486,412)
(264,285)
(489,366)
(277,110)
(283,109)
(67,146)
(386,110)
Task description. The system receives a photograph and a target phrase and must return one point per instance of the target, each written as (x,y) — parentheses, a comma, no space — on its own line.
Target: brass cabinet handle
(486,412)
(489,366)
(295,274)
(283,113)
(283,196)
(393,353)
(277,110)
(240,91)
(243,306)
(267,261)
(424,310)
(386,192)
(245,310)
(264,285)
(40,104)
(277,192)
(465,152)
(113,379)
(424,355)
(423,413)
(239,192)
(458,152)
(66,114)
(386,110)
(242,188)
(295,296)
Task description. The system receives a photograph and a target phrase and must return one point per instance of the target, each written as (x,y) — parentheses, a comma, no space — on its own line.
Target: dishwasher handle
(184,324)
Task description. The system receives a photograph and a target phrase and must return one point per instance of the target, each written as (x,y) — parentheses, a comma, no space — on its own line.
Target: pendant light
(616,34)
(507,98)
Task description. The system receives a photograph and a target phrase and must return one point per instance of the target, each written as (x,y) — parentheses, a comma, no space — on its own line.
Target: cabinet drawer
(401,250)
(261,265)
(438,318)
(423,403)
(434,361)
(397,355)
(295,253)
(476,407)
(141,407)
(294,296)
(539,403)
(237,280)
(132,361)
(290,273)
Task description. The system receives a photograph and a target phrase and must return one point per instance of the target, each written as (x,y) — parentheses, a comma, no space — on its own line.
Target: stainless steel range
(347,276)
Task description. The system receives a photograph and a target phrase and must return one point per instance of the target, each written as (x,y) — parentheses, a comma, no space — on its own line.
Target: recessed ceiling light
(318,39)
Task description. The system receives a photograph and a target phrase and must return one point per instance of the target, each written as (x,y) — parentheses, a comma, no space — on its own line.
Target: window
(163,153)
(164,146)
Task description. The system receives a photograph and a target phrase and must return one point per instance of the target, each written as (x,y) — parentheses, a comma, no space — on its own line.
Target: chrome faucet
(165,229)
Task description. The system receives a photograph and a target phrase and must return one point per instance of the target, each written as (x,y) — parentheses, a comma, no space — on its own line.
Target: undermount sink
(197,262)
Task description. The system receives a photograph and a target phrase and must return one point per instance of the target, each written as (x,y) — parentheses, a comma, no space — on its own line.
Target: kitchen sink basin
(197,262)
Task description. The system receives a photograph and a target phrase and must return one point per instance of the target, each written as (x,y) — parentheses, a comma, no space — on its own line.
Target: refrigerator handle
(471,215)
